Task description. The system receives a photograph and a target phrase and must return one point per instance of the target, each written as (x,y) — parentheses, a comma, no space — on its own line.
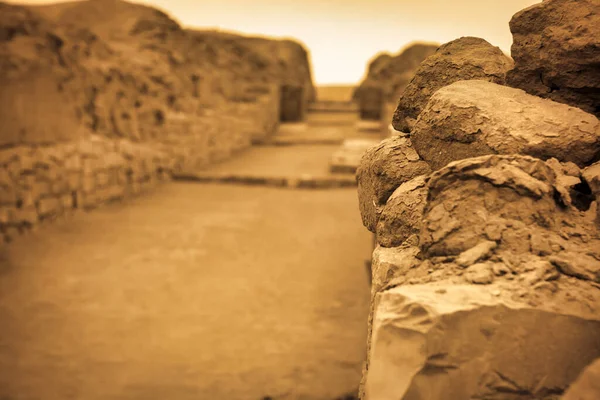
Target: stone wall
(41,181)
(486,268)
(101,99)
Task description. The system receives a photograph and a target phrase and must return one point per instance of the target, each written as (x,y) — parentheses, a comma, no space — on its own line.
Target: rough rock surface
(464,342)
(505,246)
(587,385)
(556,48)
(382,170)
(461,59)
(393,72)
(473,118)
(402,214)
(518,201)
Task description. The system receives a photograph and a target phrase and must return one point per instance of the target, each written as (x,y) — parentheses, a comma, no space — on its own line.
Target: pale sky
(343,35)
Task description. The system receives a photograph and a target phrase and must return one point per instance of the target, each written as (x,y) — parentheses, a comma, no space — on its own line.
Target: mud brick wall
(41,182)
(195,140)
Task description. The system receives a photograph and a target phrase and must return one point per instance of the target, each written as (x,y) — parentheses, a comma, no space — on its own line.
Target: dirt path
(280,161)
(194,291)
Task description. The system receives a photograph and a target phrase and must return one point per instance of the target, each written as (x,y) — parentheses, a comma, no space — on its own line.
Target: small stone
(476,253)
(577,265)
(480,274)
(540,245)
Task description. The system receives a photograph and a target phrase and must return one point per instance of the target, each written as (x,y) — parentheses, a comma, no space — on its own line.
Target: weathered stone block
(27,160)
(382,170)
(49,206)
(5,178)
(27,197)
(587,385)
(88,183)
(461,342)
(28,215)
(113,160)
(14,168)
(87,200)
(7,156)
(6,214)
(41,188)
(73,163)
(74,180)
(89,166)
(389,263)
(8,195)
(505,199)
(67,201)
(116,192)
(122,178)
(474,118)
(461,59)
(555,47)
(48,173)
(402,214)
(103,178)
(60,186)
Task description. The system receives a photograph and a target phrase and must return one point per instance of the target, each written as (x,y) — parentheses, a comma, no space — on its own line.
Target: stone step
(293,182)
(333,106)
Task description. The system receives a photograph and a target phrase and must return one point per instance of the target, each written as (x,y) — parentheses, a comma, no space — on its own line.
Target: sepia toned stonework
(486,270)
(555,48)
(461,59)
(101,98)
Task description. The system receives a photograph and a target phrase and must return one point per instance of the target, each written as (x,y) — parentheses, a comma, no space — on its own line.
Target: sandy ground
(193,291)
